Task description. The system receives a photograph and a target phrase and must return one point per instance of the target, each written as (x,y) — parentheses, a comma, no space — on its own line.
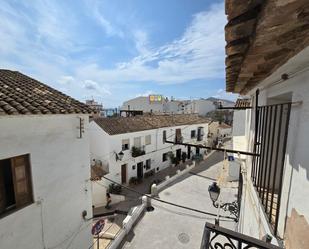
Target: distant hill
(213,99)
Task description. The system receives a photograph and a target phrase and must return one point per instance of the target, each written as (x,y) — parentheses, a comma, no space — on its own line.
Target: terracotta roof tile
(243,103)
(224,126)
(120,125)
(20,94)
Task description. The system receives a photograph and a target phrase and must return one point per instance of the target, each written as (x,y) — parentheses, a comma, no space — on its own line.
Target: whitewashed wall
(142,103)
(60,177)
(104,147)
(296,171)
(240,131)
(202,106)
(224,132)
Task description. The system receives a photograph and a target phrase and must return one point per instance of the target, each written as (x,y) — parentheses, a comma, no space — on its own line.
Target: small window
(15,184)
(133,167)
(148,163)
(137,142)
(164,157)
(164,136)
(125,144)
(147,139)
(193,134)
(200,133)
(178,137)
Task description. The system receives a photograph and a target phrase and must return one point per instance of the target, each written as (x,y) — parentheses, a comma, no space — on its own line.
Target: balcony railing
(137,151)
(178,139)
(216,237)
(272,124)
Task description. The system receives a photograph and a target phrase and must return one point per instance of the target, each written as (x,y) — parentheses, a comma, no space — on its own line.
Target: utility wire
(167,202)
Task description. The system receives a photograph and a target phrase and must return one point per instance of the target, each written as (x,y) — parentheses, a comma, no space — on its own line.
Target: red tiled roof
(120,125)
(243,103)
(20,94)
(224,126)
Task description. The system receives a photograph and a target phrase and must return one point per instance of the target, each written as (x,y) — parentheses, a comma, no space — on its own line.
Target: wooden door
(189,152)
(178,136)
(2,191)
(140,170)
(178,154)
(22,180)
(123,173)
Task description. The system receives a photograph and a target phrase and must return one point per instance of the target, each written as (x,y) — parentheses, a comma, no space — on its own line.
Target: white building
(224,130)
(110,137)
(273,72)
(144,104)
(44,166)
(173,106)
(240,131)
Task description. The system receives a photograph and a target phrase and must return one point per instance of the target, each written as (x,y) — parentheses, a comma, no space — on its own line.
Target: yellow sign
(155,98)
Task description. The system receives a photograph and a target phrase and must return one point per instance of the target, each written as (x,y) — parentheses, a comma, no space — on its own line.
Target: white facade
(104,147)
(202,106)
(59,163)
(294,205)
(143,104)
(240,131)
(224,131)
(198,106)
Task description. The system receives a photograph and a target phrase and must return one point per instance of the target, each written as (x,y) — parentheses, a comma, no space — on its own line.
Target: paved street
(172,227)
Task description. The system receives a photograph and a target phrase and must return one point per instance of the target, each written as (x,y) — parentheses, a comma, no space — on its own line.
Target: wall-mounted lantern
(119,156)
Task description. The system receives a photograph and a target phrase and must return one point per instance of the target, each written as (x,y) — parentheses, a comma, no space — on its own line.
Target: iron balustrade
(216,237)
(271,134)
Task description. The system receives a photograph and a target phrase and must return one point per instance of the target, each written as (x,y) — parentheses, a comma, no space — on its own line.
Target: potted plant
(137,151)
(114,189)
(133,180)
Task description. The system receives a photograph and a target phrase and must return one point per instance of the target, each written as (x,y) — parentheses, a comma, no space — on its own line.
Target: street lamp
(119,156)
(214,192)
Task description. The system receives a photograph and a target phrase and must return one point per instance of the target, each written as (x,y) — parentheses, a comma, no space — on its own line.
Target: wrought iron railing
(216,237)
(272,123)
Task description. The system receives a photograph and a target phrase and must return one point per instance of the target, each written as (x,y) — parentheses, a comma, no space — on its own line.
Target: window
(197,150)
(148,163)
(125,144)
(178,137)
(164,157)
(147,139)
(137,142)
(193,134)
(15,183)
(200,133)
(164,136)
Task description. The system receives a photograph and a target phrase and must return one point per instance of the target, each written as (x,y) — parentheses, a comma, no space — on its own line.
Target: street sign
(98,227)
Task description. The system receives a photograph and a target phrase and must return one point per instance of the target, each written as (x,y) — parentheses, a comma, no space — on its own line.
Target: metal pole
(98,244)
(214,148)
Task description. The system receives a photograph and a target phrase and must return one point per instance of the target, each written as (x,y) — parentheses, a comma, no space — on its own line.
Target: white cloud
(66,80)
(95,8)
(141,41)
(145,94)
(222,94)
(198,54)
(95,87)
(40,39)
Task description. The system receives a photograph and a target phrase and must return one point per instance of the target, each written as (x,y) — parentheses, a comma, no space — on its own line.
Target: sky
(115,50)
